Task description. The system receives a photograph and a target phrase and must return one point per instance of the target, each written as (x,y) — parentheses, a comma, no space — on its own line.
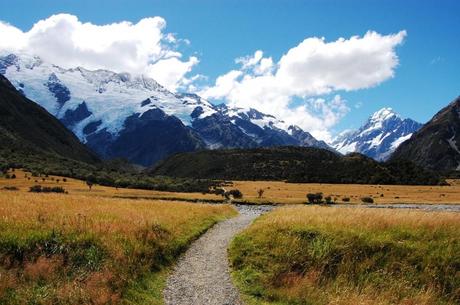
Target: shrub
(367,200)
(10,188)
(46,189)
(218,191)
(346,199)
(328,200)
(35,188)
(235,193)
(13,176)
(315,198)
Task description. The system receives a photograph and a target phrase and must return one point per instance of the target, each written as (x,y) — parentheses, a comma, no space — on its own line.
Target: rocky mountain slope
(120,115)
(382,133)
(27,131)
(435,145)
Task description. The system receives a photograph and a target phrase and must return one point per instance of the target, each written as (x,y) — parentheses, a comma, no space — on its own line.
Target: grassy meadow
(344,256)
(274,191)
(85,249)
(24,181)
(294,193)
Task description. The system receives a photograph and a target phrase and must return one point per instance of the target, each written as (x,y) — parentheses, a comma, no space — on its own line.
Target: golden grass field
(75,186)
(274,191)
(99,246)
(321,255)
(79,248)
(293,193)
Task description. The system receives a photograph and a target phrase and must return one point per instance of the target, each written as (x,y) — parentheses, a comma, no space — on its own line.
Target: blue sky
(426,79)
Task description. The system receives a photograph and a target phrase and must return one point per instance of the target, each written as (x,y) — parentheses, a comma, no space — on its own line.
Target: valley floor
(97,247)
(274,192)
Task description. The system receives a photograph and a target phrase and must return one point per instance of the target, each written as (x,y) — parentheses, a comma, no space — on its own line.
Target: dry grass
(75,186)
(345,256)
(274,191)
(281,192)
(86,249)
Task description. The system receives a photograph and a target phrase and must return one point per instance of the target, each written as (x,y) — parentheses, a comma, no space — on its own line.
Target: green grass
(320,255)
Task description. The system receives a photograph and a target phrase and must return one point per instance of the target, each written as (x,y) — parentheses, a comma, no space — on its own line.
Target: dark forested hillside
(294,164)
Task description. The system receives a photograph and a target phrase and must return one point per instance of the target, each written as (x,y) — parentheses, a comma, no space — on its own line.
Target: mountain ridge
(434,146)
(99,106)
(28,130)
(379,136)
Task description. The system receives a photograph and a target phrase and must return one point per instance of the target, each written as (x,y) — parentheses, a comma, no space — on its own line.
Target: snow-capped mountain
(378,138)
(121,115)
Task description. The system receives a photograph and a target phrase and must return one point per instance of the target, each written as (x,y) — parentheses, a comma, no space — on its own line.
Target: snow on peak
(383,115)
(382,133)
(110,97)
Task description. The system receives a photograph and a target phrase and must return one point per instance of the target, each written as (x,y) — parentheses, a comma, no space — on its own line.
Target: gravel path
(201,276)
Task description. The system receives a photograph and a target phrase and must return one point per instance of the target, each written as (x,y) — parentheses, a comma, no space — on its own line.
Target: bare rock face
(436,145)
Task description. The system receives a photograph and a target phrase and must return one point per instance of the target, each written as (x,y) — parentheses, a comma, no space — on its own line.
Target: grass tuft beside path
(344,256)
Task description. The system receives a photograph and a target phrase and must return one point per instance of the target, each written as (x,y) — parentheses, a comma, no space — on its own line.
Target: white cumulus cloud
(140,48)
(312,68)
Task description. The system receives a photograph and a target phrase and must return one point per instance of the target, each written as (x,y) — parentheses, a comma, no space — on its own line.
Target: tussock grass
(295,193)
(24,180)
(78,249)
(345,256)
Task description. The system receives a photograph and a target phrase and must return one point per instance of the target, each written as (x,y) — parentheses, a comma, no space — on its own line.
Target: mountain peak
(384,114)
(382,133)
(133,116)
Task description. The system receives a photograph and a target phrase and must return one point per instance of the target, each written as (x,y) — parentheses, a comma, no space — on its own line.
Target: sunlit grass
(320,255)
(85,249)
(295,193)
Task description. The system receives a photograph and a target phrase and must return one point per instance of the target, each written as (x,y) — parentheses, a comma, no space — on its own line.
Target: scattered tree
(260,192)
(89,184)
(90,181)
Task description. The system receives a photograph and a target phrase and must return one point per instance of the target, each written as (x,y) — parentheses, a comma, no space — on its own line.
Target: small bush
(218,191)
(46,189)
(328,200)
(35,188)
(235,193)
(346,199)
(315,198)
(367,200)
(10,188)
